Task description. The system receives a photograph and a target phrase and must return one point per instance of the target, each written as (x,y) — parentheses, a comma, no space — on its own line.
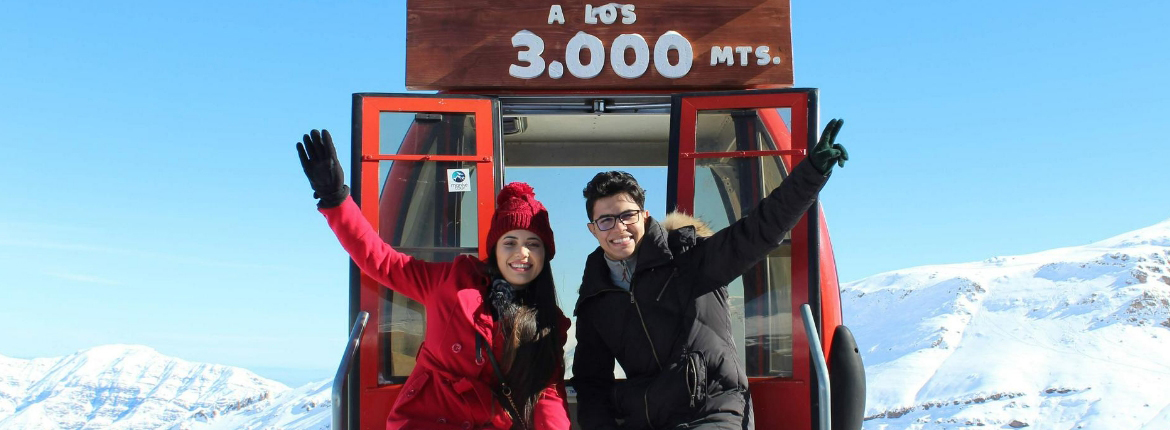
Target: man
(655,299)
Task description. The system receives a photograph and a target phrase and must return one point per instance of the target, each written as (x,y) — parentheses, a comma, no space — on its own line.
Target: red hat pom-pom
(519,190)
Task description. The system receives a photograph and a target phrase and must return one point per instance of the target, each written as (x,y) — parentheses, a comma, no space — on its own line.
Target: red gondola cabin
(699,88)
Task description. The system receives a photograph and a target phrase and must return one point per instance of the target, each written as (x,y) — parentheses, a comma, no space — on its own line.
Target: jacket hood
(677,220)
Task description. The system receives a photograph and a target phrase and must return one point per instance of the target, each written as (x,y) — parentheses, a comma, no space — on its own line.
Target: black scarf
(505,299)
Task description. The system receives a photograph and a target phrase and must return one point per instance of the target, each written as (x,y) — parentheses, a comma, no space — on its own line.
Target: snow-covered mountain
(307,407)
(1074,337)
(124,387)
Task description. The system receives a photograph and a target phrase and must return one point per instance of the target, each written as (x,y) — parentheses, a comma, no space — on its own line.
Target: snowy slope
(1074,337)
(16,376)
(307,407)
(121,387)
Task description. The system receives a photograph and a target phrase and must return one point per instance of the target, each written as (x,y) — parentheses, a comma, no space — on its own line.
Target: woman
(493,349)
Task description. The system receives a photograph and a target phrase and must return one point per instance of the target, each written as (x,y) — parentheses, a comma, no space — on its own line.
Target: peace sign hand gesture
(827,152)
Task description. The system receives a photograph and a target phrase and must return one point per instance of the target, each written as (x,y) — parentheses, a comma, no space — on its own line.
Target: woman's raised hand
(319,159)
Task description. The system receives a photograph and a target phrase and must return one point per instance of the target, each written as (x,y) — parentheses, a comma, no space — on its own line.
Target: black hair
(612,183)
(532,346)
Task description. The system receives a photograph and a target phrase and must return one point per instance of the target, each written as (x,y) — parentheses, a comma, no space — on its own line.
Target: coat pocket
(416,386)
(667,397)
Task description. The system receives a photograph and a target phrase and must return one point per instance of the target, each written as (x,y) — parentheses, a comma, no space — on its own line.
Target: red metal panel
(773,406)
(830,289)
(370,297)
(686,165)
(485,133)
(801,366)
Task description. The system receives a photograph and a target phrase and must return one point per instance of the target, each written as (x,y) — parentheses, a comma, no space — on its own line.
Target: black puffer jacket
(671,332)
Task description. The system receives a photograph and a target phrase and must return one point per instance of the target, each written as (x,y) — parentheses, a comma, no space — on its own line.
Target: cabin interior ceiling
(611,139)
(594,128)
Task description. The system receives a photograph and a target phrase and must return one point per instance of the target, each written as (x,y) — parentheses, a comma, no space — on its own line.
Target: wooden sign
(582,45)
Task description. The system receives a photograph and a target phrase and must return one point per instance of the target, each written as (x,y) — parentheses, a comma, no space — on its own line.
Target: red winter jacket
(450,387)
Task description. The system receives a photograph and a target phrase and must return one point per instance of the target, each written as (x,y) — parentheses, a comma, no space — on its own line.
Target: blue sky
(153,194)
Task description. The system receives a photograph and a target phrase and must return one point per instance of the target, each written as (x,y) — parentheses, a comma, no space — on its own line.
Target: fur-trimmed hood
(676,220)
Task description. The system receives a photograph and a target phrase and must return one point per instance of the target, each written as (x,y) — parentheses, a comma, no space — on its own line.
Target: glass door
(424,176)
(730,150)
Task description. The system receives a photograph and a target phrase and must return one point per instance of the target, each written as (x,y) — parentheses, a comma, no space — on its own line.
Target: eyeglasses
(606,222)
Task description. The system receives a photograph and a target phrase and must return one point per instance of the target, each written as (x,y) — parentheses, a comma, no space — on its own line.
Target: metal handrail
(355,338)
(818,359)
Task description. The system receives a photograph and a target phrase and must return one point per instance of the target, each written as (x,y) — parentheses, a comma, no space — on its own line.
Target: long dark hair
(532,340)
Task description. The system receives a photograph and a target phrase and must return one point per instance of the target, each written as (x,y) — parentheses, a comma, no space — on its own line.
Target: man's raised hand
(828,152)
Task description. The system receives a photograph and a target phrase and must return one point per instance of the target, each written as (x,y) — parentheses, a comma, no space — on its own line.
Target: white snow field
(135,387)
(1075,337)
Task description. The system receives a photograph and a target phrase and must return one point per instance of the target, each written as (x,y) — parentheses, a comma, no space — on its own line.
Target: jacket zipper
(645,329)
(646,407)
(642,320)
(673,273)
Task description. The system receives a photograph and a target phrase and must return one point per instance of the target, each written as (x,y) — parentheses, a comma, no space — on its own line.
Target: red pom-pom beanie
(517,208)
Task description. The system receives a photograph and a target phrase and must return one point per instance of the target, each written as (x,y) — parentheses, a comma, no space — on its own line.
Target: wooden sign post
(578,45)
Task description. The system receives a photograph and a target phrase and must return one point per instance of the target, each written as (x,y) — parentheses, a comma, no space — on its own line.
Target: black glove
(319,159)
(827,153)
